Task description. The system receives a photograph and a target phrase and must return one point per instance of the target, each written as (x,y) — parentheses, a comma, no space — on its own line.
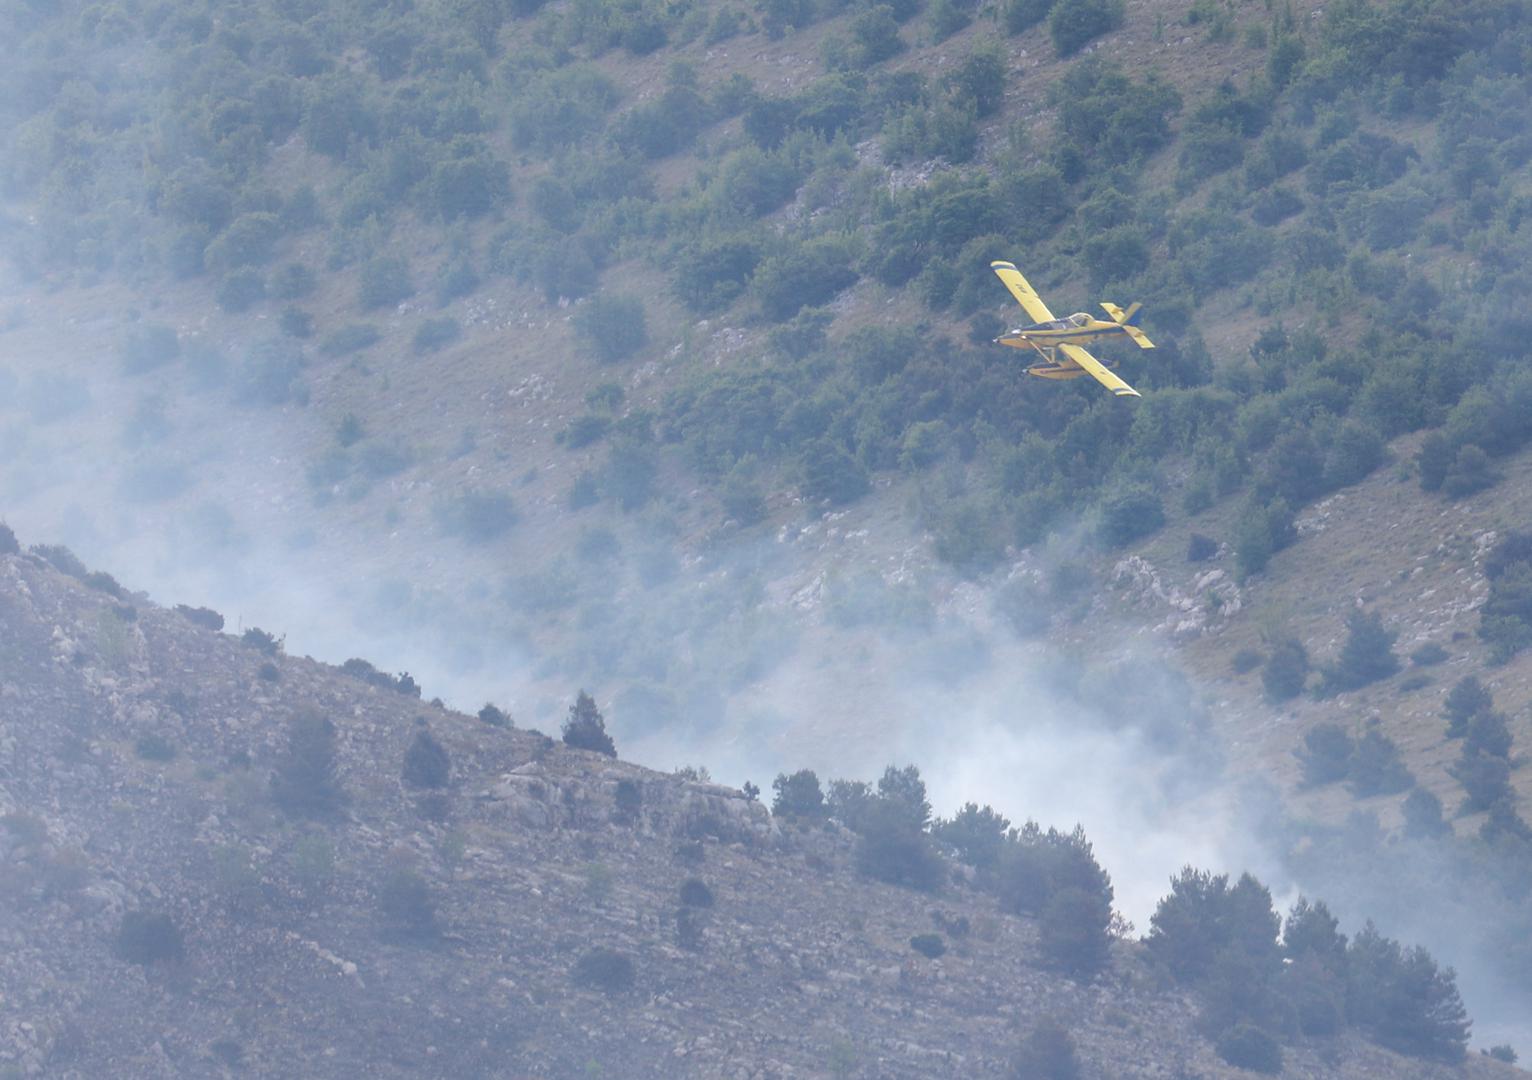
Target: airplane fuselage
(1061,332)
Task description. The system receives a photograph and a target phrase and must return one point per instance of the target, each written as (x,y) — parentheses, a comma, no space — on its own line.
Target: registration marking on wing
(1025,295)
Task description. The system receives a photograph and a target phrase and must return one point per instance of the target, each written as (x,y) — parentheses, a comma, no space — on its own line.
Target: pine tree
(585,729)
(426,763)
(1467,699)
(305,783)
(1367,655)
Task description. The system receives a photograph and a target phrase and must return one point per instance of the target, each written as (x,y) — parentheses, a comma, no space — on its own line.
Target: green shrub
(296,323)
(1366,656)
(1262,529)
(147,347)
(976,835)
(1467,699)
(353,337)
(891,848)
(249,240)
(494,717)
(1326,755)
(828,474)
(1022,15)
(456,278)
(877,35)
(696,894)
(305,783)
(404,899)
(582,431)
(1074,931)
(270,375)
(1375,767)
(1246,660)
(1047,1053)
(798,795)
(1075,24)
(435,334)
(1246,1046)
(606,970)
(1486,779)
(1286,671)
(426,763)
(931,946)
(1130,514)
(240,291)
(1429,654)
(613,325)
(155,747)
(1470,472)
(1403,1000)
(384,282)
(629,475)
(149,937)
(469,184)
(804,276)
(478,517)
(1423,815)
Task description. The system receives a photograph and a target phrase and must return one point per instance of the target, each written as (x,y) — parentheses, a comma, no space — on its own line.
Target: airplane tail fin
(1128,320)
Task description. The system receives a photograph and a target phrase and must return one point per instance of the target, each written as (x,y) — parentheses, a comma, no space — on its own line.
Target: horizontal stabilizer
(1139,337)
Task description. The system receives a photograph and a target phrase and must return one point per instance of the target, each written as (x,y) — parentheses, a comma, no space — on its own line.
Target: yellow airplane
(1051,336)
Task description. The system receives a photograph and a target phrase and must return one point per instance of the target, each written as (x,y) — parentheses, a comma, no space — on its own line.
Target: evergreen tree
(1403,999)
(1286,670)
(1326,754)
(1075,931)
(798,795)
(305,783)
(905,791)
(1367,655)
(585,729)
(1047,1053)
(1488,734)
(1423,816)
(1467,699)
(426,763)
(977,835)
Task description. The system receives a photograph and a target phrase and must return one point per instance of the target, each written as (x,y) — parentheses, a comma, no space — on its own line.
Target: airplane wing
(1099,371)
(1025,295)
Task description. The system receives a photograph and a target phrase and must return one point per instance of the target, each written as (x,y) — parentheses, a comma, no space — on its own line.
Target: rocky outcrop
(1206,604)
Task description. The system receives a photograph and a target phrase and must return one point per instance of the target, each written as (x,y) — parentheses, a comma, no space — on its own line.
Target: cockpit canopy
(1079,318)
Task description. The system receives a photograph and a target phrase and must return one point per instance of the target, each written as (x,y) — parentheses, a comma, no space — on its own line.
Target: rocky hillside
(548,912)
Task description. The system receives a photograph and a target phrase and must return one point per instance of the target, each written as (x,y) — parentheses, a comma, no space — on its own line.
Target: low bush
(149,937)
(405,901)
(613,324)
(435,334)
(155,747)
(147,347)
(351,338)
(929,945)
(478,517)
(606,970)
(1246,1046)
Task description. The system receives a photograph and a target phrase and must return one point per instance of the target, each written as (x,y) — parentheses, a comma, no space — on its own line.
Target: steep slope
(441,931)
